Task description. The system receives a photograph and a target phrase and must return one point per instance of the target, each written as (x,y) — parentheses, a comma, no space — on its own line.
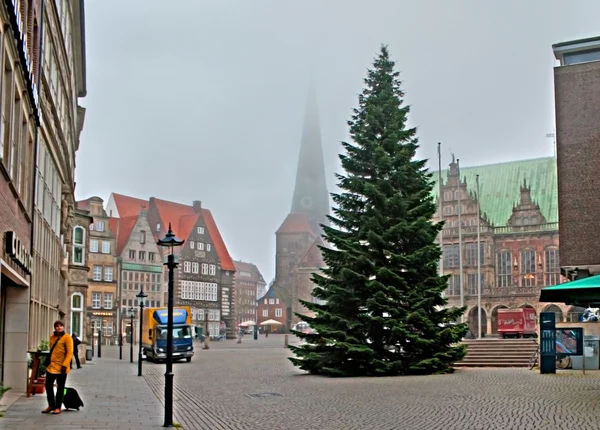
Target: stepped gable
(500,186)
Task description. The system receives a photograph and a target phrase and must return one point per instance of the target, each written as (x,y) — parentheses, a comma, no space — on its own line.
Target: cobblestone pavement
(113,395)
(253,386)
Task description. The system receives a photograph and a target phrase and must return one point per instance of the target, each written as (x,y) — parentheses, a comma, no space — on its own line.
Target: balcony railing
(470,229)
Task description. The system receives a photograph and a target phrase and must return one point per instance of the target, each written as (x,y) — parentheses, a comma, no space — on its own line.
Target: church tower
(311,197)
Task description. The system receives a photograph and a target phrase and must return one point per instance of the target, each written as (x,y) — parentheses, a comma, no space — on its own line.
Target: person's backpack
(71,399)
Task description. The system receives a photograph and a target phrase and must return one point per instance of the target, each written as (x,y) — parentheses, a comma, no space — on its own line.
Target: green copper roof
(500,186)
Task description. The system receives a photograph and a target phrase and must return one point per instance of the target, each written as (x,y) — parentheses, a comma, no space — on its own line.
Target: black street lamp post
(141,302)
(131,317)
(170,241)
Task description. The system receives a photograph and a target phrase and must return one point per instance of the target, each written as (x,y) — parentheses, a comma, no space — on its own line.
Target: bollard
(255,333)
(285,341)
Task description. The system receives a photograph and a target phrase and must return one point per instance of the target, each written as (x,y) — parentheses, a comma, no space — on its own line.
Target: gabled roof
(295,223)
(275,291)
(251,268)
(500,185)
(121,229)
(313,257)
(174,213)
(128,206)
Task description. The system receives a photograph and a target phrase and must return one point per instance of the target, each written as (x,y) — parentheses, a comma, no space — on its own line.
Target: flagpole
(441,207)
(460,244)
(478,259)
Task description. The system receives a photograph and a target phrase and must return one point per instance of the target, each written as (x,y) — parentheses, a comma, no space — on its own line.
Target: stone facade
(101,305)
(518,257)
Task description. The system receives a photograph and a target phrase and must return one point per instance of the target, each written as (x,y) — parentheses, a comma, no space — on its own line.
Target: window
(108,274)
(271,301)
(91,227)
(96,300)
(187,266)
(100,226)
(265,312)
(108,300)
(204,268)
(448,210)
(278,312)
(212,270)
(503,269)
(195,267)
(472,286)
(201,246)
(97,273)
(454,285)
(151,256)
(78,245)
(266,301)
(450,256)
(528,276)
(105,247)
(552,267)
(142,255)
(96,324)
(158,227)
(93,245)
(107,329)
(132,254)
(208,246)
(276,300)
(193,290)
(471,254)
(192,244)
(77,314)
(200,230)
(142,237)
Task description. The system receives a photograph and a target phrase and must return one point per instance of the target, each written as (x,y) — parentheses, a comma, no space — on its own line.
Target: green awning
(583,292)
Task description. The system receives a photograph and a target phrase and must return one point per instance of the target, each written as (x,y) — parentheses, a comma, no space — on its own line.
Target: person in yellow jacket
(61,354)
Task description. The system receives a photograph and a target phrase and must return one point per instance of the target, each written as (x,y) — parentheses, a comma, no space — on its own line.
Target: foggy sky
(204,100)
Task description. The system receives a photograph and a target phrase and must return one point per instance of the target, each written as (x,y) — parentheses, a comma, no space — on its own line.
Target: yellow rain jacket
(62,354)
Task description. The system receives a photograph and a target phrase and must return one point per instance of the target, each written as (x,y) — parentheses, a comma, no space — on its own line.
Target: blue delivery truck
(154,334)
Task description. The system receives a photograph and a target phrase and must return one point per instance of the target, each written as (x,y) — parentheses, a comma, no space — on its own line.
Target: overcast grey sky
(204,100)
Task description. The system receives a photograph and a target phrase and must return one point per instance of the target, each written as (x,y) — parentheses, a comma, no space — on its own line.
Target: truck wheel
(188,359)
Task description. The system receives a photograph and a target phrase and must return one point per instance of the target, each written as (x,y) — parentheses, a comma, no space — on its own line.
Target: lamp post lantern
(132,311)
(141,302)
(170,241)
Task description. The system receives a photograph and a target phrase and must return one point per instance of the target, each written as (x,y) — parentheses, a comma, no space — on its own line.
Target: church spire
(310,193)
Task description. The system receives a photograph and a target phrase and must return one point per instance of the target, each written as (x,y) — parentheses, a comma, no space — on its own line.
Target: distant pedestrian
(76,343)
(58,367)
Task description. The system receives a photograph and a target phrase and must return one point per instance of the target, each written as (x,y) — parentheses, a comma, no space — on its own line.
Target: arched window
(79,245)
(77,314)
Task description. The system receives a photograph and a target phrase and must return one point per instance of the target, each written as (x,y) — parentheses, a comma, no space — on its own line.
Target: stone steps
(498,353)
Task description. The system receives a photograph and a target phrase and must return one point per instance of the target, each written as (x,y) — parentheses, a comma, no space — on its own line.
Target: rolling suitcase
(71,399)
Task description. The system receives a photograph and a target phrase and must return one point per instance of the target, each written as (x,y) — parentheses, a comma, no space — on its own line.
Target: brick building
(274,306)
(204,278)
(101,309)
(247,283)
(519,237)
(577,104)
(297,255)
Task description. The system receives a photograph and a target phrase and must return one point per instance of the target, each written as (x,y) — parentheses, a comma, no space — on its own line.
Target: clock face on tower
(306,202)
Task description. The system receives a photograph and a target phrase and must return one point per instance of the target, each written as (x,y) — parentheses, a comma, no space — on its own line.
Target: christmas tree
(381,311)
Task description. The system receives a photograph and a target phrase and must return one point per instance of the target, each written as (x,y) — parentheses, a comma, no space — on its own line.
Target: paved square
(253,386)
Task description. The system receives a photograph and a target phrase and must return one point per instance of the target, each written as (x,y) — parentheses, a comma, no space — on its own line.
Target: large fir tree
(383,311)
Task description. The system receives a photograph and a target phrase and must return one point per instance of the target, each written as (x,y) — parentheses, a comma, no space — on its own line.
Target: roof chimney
(197,205)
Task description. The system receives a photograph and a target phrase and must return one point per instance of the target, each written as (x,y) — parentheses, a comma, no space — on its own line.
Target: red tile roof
(295,223)
(121,229)
(181,217)
(128,206)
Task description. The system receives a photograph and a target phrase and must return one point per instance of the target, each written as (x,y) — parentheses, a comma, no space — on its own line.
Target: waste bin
(591,354)
(89,353)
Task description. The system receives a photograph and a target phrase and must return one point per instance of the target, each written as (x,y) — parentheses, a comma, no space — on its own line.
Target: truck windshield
(178,333)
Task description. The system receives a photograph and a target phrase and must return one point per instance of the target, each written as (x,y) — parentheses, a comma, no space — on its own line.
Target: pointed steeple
(311,197)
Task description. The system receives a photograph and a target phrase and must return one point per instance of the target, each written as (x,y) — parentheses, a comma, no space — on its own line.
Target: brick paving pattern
(215,391)
(113,395)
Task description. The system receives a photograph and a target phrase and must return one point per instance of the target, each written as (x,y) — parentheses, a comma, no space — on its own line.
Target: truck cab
(154,344)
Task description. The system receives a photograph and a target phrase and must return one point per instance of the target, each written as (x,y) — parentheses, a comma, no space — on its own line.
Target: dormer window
(142,237)
(100,226)
(192,244)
